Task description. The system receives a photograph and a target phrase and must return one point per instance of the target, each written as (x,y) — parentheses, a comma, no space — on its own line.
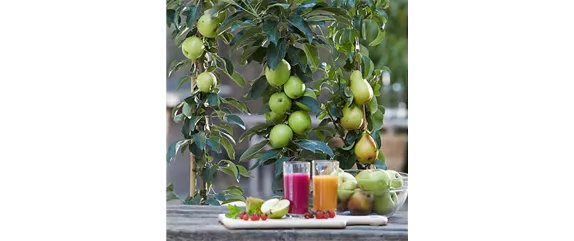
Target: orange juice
(325,193)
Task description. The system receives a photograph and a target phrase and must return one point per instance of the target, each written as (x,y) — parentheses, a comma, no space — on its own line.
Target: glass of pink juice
(296,181)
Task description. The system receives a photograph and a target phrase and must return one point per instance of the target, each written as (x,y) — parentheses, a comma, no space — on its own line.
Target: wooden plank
(213,233)
(190,222)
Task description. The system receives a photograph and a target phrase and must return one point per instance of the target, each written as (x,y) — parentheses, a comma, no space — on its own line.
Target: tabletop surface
(191,222)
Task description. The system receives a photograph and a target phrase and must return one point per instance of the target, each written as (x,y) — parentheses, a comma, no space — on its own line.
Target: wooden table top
(191,222)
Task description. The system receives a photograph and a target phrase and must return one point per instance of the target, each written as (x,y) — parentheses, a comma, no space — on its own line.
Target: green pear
(344,195)
(206,82)
(396,179)
(352,117)
(294,87)
(280,75)
(279,103)
(207,26)
(192,47)
(385,203)
(253,205)
(274,118)
(361,89)
(360,203)
(310,93)
(280,135)
(366,149)
(376,180)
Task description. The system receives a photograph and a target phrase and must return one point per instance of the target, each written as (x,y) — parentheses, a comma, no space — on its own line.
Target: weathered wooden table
(190,222)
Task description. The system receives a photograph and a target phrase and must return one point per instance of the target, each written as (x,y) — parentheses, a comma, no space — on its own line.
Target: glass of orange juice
(325,181)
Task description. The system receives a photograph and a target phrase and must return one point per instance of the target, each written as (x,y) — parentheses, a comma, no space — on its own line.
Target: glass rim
(296,162)
(325,161)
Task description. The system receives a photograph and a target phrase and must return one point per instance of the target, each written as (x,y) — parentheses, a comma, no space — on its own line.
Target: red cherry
(245,217)
(263,217)
(255,217)
(331,214)
(319,215)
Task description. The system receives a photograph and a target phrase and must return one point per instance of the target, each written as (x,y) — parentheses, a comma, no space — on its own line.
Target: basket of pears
(371,191)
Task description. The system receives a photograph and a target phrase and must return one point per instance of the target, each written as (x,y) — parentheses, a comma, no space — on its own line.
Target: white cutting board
(339,221)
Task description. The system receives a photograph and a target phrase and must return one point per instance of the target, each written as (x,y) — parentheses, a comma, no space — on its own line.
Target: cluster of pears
(193,47)
(281,103)
(370,191)
(365,147)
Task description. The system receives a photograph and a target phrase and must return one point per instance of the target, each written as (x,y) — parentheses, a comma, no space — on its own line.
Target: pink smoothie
(296,188)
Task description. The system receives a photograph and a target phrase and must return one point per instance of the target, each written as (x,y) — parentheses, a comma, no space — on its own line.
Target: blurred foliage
(393,50)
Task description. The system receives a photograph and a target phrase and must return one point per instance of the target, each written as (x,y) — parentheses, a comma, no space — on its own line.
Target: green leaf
(297,56)
(228,66)
(279,164)
(193,15)
(215,143)
(233,119)
(270,154)
(213,99)
(380,164)
(182,80)
(238,79)
(171,196)
(311,103)
(377,137)
(192,123)
(243,171)
(228,148)
(320,18)
(314,146)
(187,109)
(336,11)
(224,127)
(378,39)
(176,65)
(178,118)
(220,196)
(246,37)
(213,202)
(377,120)
(248,51)
(312,56)
(170,15)
(257,89)
(193,201)
(381,157)
(234,211)
(254,130)
(367,66)
(275,53)
(240,106)
(195,150)
(352,136)
(173,148)
(335,111)
(283,5)
(170,187)
(271,28)
(346,159)
(230,169)
(200,139)
(330,130)
(302,25)
(252,151)
(230,20)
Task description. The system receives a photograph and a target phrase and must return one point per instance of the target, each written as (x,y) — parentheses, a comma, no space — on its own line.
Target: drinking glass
(325,182)
(296,175)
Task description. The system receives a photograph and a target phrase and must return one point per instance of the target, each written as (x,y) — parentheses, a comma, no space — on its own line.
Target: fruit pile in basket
(371,191)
